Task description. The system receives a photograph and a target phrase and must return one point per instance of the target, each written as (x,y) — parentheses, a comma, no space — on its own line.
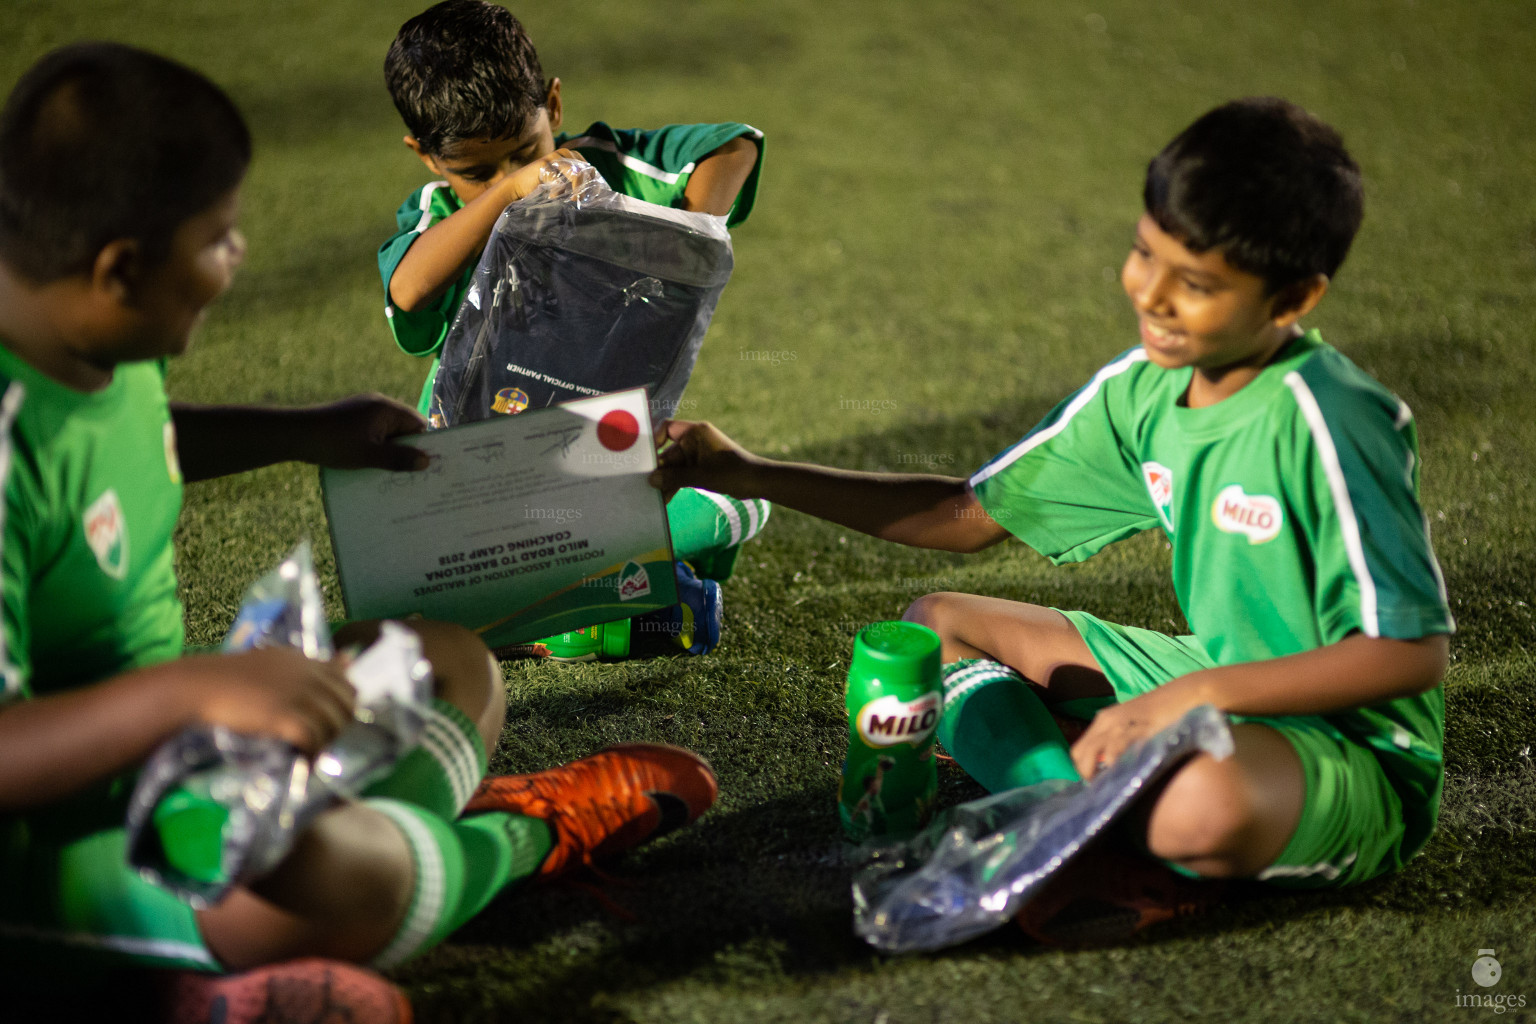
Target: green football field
(948,192)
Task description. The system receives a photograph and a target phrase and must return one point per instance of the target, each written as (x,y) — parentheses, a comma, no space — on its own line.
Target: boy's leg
(1040,643)
(346,889)
(708,529)
(1228,818)
(464,672)
(994,723)
(1298,805)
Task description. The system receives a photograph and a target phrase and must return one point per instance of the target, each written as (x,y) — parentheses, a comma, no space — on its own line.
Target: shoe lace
(583,802)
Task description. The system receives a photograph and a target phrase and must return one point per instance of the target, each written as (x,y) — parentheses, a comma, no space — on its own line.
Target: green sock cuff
(963,676)
(442,771)
(997,729)
(460,866)
(703,523)
(439,881)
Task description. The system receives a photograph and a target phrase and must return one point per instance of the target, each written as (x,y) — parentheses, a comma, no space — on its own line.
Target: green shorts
(74,903)
(1351,826)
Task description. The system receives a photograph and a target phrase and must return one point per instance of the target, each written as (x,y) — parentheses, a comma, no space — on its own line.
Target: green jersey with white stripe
(1291,506)
(92,492)
(651,165)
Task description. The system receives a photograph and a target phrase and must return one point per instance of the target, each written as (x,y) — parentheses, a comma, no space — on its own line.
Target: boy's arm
(357,432)
(54,746)
(439,254)
(718,177)
(1357,671)
(913,508)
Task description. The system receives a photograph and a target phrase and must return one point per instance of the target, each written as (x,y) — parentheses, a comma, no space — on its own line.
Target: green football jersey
(1291,506)
(651,165)
(92,493)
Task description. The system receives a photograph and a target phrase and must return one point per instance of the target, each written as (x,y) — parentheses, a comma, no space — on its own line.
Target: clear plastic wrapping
(582,291)
(214,808)
(980,862)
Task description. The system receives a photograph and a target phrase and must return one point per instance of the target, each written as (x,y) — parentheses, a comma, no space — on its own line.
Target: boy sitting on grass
(468,84)
(1286,481)
(119,188)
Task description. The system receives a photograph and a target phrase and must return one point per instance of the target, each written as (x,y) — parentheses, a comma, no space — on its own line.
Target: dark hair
(1264,182)
(100,141)
(464,69)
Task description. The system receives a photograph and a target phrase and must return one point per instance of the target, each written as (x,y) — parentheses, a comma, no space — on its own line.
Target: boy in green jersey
(468,84)
(1285,480)
(119,188)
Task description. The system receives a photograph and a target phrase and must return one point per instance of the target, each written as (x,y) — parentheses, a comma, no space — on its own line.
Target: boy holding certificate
(120,179)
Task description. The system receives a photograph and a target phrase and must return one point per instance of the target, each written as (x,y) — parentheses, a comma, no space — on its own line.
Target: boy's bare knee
(934,611)
(1202,818)
(467,675)
(464,672)
(341,893)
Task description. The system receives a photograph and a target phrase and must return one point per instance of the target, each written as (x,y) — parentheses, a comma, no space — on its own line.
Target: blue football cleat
(696,619)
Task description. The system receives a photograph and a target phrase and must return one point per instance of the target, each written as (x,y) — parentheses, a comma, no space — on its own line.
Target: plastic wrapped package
(214,808)
(980,862)
(582,291)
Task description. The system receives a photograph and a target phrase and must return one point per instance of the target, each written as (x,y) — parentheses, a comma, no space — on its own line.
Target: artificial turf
(948,192)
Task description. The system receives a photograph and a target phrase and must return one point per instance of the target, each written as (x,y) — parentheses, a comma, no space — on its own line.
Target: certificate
(521,527)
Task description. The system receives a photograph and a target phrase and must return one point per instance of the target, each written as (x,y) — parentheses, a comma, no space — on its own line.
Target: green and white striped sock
(708,528)
(441,773)
(460,866)
(998,730)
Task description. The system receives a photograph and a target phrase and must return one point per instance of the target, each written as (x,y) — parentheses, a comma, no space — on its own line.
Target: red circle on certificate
(618,430)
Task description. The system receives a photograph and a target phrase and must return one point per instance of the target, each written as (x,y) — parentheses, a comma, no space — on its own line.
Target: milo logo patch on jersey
(890,720)
(1159,480)
(106,531)
(1257,516)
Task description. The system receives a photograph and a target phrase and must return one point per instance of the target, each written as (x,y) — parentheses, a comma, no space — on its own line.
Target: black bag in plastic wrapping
(582,291)
(976,865)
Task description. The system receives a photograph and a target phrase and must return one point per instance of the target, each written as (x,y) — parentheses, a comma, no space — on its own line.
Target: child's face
(1196,309)
(169,300)
(473,167)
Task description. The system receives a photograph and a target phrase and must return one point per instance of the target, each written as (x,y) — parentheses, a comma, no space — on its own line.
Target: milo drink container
(895,695)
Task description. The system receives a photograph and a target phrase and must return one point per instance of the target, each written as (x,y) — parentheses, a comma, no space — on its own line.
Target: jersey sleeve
(15,575)
(1071,486)
(1357,478)
(655,165)
(420,332)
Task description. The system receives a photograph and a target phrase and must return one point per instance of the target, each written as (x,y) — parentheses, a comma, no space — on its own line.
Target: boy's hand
(1117,728)
(276,691)
(361,432)
(571,175)
(700,455)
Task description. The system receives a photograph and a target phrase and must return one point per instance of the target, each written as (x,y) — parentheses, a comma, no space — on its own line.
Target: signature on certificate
(409,478)
(567,437)
(491,451)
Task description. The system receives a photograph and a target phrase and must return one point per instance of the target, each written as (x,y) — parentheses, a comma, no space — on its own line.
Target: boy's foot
(296,990)
(692,624)
(606,803)
(1109,894)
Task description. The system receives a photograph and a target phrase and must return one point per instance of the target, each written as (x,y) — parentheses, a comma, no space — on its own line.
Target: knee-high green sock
(708,528)
(441,773)
(998,730)
(460,866)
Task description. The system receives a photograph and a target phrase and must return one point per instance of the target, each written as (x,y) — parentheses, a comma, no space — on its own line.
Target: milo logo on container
(890,720)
